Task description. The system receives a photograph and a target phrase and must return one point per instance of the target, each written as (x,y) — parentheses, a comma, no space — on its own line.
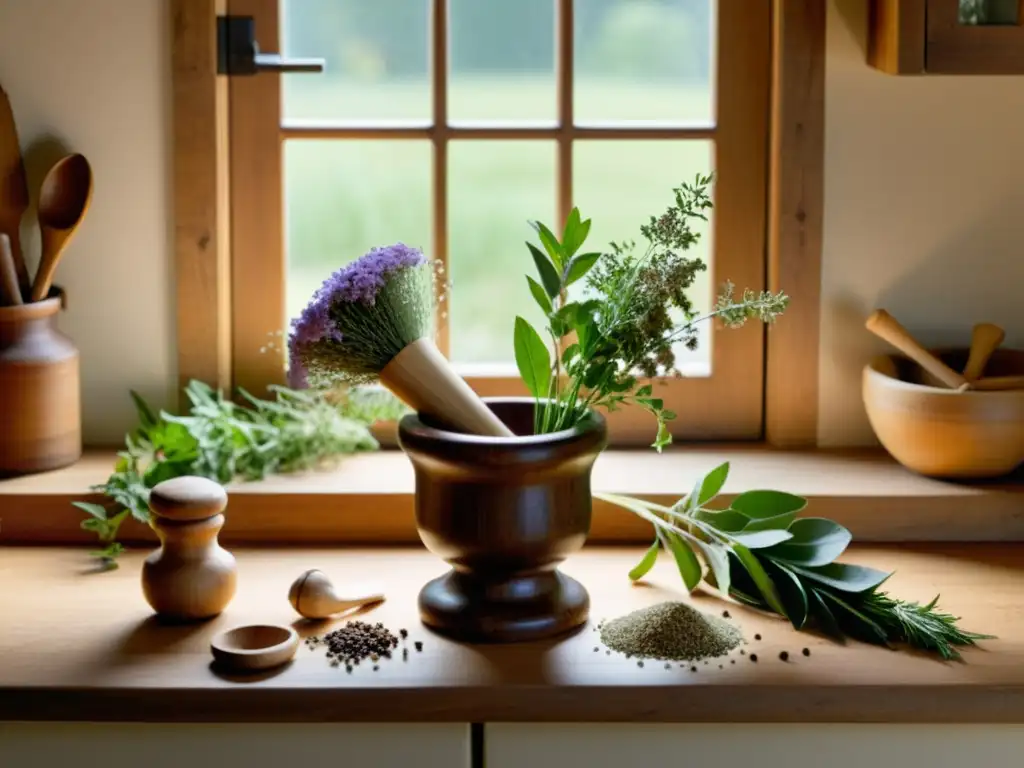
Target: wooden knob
(187,498)
(314,596)
(985,339)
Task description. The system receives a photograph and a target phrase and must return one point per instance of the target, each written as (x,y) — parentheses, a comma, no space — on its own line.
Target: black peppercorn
(419,645)
(757,637)
(753,657)
(784,655)
(693,668)
(725,614)
(404,633)
(807,651)
(639,663)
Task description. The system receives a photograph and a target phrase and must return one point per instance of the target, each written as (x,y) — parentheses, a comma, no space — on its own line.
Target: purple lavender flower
(316,332)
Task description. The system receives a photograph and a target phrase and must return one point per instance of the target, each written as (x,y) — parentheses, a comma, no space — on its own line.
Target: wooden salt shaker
(191,576)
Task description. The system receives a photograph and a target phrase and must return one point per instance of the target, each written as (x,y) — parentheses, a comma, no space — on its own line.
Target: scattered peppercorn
(784,655)
(668,666)
(375,667)
(732,661)
(596,649)
(721,666)
(374,657)
(693,668)
(640,663)
(419,645)
(607,653)
(725,614)
(807,651)
(753,657)
(742,652)
(404,633)
(757,637)
(348,668)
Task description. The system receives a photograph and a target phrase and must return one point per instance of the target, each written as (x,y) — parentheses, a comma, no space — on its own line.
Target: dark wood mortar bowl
(503,512)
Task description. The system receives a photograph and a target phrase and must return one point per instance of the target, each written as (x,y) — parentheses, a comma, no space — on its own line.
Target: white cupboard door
(141,745)
(761,745)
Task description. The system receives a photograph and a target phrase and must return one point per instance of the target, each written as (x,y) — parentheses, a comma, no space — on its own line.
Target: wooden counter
(76,645)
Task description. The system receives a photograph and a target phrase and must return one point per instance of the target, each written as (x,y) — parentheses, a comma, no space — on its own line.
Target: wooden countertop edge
(612,704)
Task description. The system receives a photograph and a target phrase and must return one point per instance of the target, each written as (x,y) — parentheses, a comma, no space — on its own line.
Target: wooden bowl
(942,433)
(254,647)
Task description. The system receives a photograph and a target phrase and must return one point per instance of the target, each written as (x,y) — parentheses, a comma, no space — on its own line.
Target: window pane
(619,185)
(644,61)
(496,187)
(990,12)
(343,198)
(502,61)
(377,60)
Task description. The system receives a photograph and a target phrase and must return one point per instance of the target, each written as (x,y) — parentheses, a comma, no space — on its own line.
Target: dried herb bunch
(759,552)
(637,312)
(223,441)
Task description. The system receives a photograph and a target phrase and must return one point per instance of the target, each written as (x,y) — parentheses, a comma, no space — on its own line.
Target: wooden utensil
(191,576)
(998,383)
(63,203)
(315,597)
(985,339)
(10,291)
(13,189)
(886,327)
(255,647)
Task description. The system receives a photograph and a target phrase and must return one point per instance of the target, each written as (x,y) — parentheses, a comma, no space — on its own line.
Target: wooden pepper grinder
(191,576)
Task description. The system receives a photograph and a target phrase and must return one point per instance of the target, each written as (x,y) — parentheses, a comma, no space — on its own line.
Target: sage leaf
(717,558)
(765,504)
(532,359)
(686,561)
(548,274)
(843,576)
(757,573)
(726,520)
(551,244)
(539,295)
(760,539)
(823,616)
(779,522)
(579,266)
(712,483)
(791,592)
(816,542)
(96,510)
(646,563)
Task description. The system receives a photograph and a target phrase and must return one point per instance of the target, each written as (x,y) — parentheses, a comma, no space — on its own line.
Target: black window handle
(239,54)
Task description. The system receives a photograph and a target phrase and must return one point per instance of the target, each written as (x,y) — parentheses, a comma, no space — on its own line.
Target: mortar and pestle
(952,413)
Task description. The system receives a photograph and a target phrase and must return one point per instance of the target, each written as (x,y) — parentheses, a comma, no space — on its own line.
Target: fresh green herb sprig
(224,441)
(759,552)
(628,327)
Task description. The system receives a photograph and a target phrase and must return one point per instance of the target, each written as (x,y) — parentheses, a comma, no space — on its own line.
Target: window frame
(215,116)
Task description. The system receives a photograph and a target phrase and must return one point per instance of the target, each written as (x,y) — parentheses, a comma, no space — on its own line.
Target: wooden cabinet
(947,37)
(744,745)
(124,745)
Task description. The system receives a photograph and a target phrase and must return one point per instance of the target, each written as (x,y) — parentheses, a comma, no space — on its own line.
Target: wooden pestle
(886,327)
(985,339)
(315,597)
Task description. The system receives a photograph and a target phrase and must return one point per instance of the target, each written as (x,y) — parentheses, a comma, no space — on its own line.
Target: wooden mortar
(504,512)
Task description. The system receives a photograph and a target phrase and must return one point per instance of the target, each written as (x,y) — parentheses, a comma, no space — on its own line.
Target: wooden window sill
(368,498)
(80,646)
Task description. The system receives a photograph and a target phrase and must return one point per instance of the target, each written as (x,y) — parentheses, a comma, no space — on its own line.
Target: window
(448,124)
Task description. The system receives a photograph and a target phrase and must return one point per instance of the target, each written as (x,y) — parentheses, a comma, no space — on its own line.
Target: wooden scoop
(985,339)
(885,326)
(314,596)
(63,202)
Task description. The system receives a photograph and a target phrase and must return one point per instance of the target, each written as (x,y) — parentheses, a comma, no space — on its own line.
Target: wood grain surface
(96,653)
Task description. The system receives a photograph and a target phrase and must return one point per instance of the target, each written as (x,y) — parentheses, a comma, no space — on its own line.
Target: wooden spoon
(886,327)
(10,291)
(985,339)
(63,202)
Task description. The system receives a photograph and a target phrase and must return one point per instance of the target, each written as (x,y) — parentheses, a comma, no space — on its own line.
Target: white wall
(94,76)
(924,212)
(924,198)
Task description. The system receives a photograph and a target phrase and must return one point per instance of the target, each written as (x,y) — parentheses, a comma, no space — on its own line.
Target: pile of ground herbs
(670,632)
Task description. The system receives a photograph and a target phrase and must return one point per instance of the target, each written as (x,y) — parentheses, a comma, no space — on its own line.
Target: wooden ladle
(314,596)
(63,202)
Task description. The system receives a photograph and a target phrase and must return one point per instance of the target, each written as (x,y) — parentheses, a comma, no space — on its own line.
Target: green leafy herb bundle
(224,441)
(760,553)
(637,310)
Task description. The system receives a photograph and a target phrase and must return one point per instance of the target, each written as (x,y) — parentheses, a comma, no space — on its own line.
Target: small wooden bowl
(254,647)
(939,432)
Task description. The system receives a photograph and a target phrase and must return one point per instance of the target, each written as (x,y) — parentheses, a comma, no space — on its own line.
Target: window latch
(239,54)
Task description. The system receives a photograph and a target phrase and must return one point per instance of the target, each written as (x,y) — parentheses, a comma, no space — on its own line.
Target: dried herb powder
(670,631)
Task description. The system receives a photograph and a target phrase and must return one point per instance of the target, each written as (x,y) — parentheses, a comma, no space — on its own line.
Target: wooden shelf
(81,646)
(925,37)
(368,498)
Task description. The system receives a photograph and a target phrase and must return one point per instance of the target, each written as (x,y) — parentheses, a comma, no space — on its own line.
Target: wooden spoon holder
(40,400)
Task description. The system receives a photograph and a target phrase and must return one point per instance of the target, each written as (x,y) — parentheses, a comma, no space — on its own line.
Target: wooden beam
(896,36)
(202,244)
(796,207)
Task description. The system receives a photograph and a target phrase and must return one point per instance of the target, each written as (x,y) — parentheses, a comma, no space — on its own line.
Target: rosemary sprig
(921,626)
